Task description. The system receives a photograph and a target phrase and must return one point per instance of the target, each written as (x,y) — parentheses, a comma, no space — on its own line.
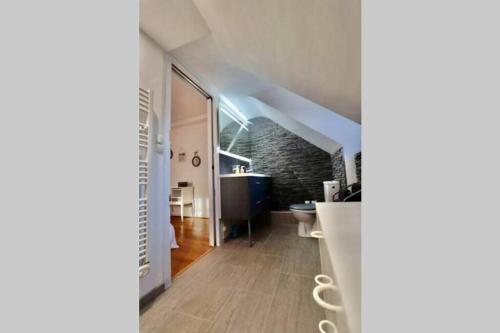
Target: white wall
(190,138)
(153,75)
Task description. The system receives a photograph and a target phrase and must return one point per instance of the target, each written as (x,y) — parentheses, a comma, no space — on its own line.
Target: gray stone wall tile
(357,159)
(298,168)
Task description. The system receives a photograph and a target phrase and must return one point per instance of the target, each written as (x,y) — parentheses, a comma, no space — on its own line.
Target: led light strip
(233,117)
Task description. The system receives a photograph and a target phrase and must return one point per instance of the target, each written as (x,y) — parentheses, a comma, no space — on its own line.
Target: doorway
(191,172)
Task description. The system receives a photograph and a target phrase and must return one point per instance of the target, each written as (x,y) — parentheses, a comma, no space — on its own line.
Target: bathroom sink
(243,175)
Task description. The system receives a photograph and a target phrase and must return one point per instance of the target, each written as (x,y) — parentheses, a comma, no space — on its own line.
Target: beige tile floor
(234,288)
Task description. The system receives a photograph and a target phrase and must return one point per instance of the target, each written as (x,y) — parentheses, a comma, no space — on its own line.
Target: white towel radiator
(144,131)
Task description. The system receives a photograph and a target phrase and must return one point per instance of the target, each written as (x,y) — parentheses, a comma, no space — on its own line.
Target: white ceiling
(171,23)
(311,48)
(246,47)
(186,101)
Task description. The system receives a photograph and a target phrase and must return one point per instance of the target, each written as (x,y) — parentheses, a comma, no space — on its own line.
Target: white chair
(182,196)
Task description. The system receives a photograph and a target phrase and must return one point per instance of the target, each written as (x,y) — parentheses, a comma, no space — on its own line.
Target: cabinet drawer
(235,200)
(258,188)
(244,197)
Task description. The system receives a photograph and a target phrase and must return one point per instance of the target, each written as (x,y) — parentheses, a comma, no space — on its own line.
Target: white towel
(173,242)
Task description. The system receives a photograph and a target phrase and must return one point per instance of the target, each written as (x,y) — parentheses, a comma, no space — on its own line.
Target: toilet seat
(303,206)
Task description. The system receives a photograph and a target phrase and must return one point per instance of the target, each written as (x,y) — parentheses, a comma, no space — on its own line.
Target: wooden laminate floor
(234,288)
(192,238)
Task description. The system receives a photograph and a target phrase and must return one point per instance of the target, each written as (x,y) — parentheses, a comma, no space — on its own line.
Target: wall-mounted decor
(196,160)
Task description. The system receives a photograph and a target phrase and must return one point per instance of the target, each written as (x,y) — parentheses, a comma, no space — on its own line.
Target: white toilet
(305,213)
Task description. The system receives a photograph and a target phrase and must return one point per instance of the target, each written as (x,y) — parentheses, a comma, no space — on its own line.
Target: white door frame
(211,175)
(213,163)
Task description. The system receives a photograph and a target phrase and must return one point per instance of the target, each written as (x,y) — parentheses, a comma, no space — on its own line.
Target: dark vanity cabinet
(243,197)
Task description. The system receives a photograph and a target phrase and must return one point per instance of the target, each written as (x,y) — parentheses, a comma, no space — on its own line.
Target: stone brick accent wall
(338,165)
(242,144)
(357,159)
(298,168)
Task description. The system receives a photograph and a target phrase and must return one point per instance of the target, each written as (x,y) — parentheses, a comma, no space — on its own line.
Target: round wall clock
(196,160)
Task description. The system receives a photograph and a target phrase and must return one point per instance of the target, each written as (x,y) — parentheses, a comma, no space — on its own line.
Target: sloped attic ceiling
(311,48)
(256,97)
